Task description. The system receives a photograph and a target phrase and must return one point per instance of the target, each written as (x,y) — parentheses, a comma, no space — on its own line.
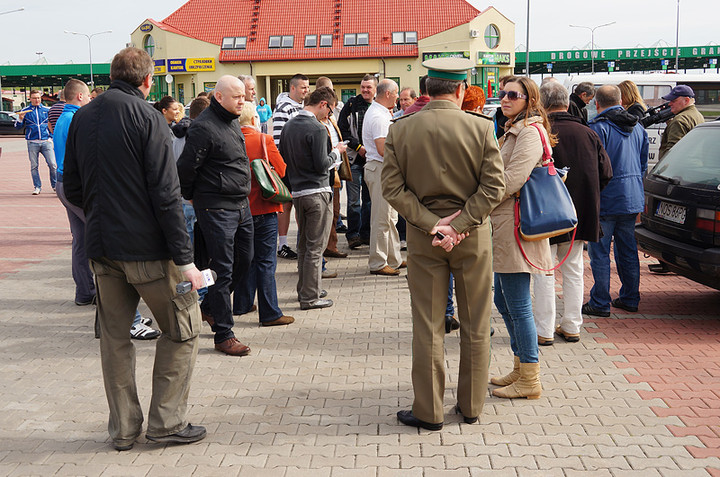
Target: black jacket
(580,149)
(119,168)
(214,169)
(350,123)
(578,108)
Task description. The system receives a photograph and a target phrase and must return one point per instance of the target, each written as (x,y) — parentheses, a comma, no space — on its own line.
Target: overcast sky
(39,28)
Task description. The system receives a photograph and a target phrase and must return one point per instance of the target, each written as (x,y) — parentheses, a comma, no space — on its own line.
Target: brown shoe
(403,265)
(387,271)
(542,341)
(232,347)
(569,337)
(354,243)
(208,319)
(329,274)
(283,320)
(334,253)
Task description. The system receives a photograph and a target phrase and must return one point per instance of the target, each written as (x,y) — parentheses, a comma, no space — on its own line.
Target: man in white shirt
(385,258)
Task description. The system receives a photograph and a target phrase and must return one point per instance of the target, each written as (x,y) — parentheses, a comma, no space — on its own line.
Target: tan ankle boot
(509,378)
(527,386)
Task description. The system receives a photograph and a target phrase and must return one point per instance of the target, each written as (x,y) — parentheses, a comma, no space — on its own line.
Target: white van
(653,86)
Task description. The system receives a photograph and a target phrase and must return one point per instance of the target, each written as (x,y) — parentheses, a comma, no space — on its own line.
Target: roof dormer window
(234,43)
(404,37)
(228,43)
(275,42)
(325,41)
(356,39)
(278,41)
(311,41)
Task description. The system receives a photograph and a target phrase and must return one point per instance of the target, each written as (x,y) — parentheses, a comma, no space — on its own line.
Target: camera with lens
(658,114)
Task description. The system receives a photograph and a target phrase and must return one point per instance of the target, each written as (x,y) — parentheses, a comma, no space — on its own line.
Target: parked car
(7,124)
(680,225)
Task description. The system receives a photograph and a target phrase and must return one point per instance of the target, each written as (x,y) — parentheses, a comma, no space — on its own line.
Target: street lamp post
(592,41)
(5,13)
(89,37)
(677,39)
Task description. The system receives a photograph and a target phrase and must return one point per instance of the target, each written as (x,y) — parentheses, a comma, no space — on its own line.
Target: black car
(681,222)
(7,124)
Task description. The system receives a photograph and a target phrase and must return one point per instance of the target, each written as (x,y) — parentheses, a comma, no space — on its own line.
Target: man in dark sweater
(579,99)
(305,146)
(215,175)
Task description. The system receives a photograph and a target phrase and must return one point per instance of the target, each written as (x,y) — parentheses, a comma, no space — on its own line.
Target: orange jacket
(253,146)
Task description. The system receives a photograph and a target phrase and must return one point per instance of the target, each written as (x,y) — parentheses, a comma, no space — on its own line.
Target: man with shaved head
(215,175)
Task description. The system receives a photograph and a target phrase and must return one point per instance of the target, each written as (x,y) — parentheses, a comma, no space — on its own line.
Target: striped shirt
(54,113)
(283,113)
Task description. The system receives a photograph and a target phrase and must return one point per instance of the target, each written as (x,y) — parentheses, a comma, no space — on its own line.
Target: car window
(5,116)
(694,159)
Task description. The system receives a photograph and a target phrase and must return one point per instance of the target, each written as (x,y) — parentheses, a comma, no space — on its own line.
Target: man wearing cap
(687,116)
(443,172)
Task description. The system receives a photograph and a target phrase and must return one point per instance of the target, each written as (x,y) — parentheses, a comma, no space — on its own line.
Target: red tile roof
(211,21)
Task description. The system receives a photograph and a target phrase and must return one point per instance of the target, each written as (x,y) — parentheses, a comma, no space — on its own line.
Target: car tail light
(707,220)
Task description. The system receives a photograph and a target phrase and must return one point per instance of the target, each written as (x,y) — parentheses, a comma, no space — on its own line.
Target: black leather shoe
(451,324)
(591,310)
(407,418)
(619,304)
(187,436)
(468,420)
(659,268)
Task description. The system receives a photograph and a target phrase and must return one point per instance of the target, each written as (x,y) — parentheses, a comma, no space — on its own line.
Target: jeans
(450,309)
(229,242)
(401,228)
(261,277)
(81,273)
(622,229)
(358,216)
(190,219)
(512,299)
(46,149)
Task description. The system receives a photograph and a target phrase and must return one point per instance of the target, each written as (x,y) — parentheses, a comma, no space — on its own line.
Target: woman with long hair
(521,151)
(631,99)
(170,109)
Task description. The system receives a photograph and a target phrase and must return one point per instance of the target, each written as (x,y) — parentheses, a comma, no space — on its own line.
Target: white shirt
(376,125)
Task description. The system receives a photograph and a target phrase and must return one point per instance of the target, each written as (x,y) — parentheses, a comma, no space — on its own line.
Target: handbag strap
(522,251)
(547,154)
(264,147)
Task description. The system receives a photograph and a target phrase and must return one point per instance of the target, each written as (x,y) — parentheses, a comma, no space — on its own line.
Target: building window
(325,41)
(402,37)
(310,41)
(275,42)
(287,41)
(240,42)
(228,43)
(492,36)
(356,39)
(149,45)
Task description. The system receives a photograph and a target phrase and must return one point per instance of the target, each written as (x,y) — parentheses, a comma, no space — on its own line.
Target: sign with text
(619,54)
(160,68)
(189,65)
(431,55)
(492,58)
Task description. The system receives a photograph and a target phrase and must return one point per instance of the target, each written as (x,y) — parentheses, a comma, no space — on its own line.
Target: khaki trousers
(313,214)
(119,287)
(428,277)
(384,238)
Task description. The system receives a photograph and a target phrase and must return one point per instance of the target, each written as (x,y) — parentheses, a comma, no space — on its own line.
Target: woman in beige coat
(521,151)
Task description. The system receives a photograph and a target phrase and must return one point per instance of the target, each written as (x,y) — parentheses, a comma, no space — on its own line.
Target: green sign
(492,58)
(430,55)
(618,54)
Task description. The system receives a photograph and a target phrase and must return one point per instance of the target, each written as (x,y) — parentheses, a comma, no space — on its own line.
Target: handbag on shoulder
(544,207)
(272,187)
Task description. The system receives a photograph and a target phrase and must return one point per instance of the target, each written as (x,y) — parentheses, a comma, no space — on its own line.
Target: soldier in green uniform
(443,173)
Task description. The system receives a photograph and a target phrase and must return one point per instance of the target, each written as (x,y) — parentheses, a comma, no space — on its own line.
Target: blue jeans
(450,309)
(358,216)
(512,299)
(621,228)
(190,219)
(261,277)
(46,149)
(229,242)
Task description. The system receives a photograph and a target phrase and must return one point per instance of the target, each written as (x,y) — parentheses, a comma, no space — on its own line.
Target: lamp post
(5,13)
(677,39)
(592,41)
(89,37)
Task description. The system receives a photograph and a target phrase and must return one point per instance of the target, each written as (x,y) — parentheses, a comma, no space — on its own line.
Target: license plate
(671,212)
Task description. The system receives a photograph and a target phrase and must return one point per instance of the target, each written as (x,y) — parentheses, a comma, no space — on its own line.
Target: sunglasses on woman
(512,95)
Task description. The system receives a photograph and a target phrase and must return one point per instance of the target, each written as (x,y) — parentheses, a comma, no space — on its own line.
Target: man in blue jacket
(39,138)
(626,142)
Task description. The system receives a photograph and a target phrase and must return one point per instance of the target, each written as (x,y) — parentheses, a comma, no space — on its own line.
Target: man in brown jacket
(446,179)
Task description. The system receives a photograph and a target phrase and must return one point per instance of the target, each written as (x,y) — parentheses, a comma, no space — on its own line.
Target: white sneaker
(36,191)
(146,321)
(143,332)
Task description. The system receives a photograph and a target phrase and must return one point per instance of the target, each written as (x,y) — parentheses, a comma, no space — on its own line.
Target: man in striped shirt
(55,111)
(288,106)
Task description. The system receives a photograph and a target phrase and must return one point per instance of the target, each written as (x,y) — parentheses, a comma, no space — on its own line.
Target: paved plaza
(639,395)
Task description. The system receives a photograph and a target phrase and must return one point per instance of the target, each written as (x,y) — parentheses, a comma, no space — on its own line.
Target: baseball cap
(679,90)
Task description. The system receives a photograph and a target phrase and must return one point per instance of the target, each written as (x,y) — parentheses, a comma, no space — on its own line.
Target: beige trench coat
(521,152)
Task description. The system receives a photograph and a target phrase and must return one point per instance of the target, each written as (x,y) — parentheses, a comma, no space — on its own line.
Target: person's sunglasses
(512,95)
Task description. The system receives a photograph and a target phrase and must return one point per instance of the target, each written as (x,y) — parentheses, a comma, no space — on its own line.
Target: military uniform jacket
(441,160)
(680,125)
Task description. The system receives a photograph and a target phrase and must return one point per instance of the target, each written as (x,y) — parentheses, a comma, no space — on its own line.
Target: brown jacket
(521,152)
(447,160)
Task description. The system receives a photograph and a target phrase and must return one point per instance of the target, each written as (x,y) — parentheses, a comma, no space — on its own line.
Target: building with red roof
(344,39)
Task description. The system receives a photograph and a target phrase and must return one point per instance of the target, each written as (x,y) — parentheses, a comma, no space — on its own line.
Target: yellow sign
(187,65)
(160,67)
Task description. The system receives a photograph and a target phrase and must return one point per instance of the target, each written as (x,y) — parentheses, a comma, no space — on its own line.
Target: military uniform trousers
(428,277)
(120,285)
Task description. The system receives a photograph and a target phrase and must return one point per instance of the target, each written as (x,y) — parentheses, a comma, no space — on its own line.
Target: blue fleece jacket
(60,134)
(626,142)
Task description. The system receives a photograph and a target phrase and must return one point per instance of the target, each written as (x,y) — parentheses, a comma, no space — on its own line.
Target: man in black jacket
(119,168)
(579,99)
(350,123)
(215,175)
